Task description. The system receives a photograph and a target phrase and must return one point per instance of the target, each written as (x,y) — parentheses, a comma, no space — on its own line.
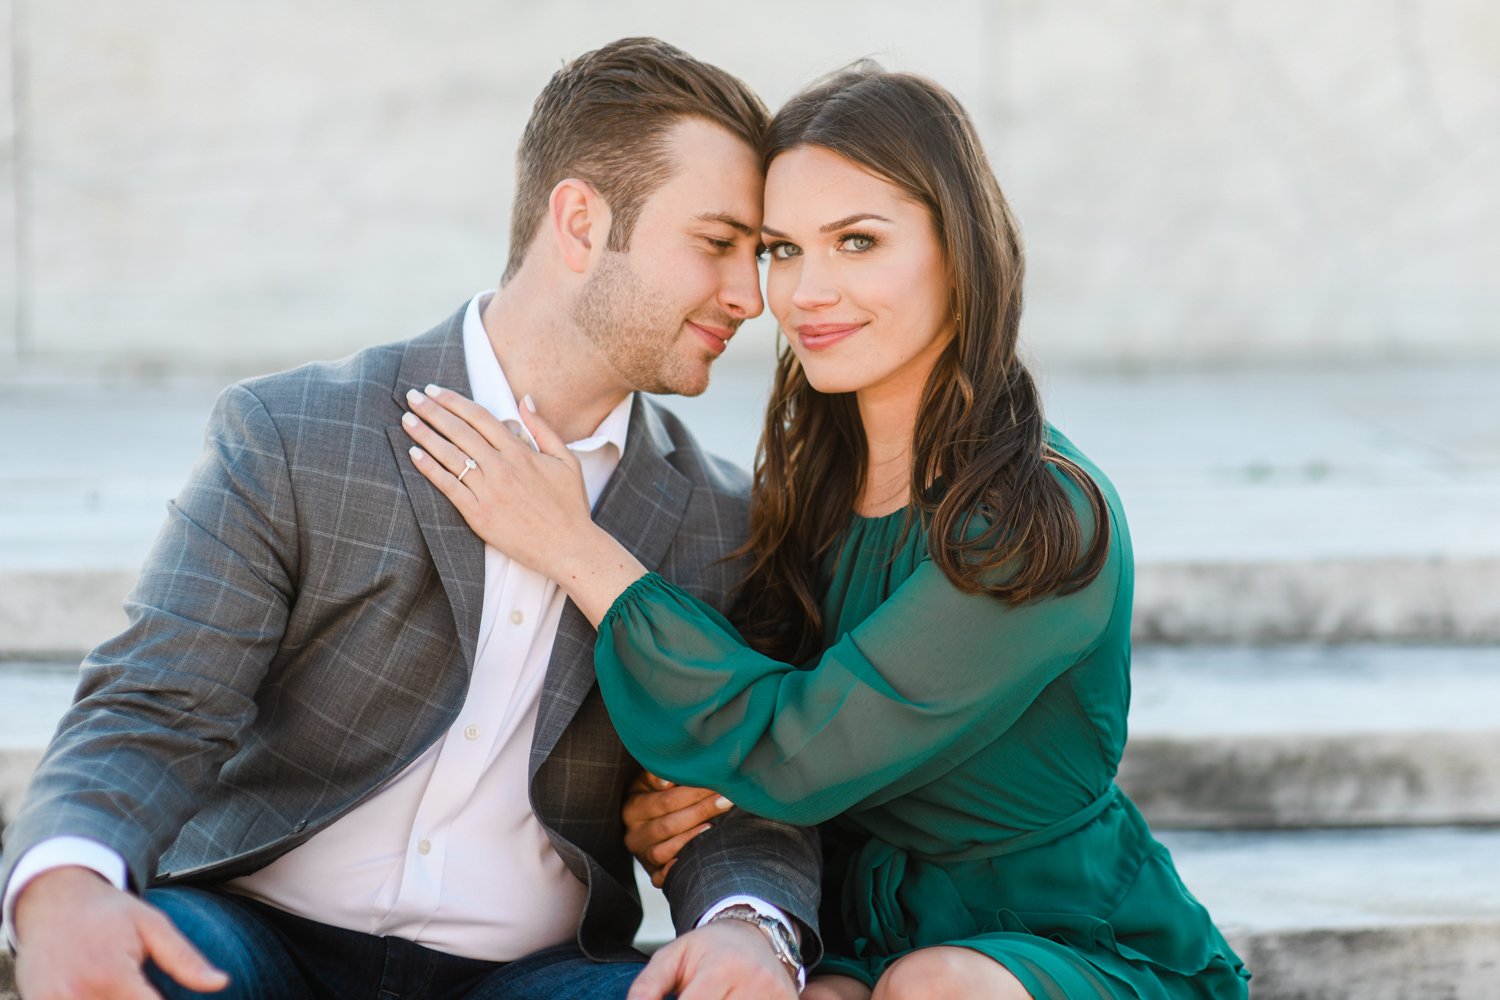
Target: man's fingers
(176,956)
(662,975)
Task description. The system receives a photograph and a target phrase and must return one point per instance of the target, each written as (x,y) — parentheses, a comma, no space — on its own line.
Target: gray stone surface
(1382,914)
(9,233)
(1219,738)
(1357,914)
(231,187)
(1314,736)
(1269,506)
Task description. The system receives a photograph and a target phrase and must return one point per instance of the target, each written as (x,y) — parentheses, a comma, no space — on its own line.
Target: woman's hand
(529,504)
(661,817)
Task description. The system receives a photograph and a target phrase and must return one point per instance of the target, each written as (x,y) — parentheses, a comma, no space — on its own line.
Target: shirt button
(424,847)
(471,732)
(517,618)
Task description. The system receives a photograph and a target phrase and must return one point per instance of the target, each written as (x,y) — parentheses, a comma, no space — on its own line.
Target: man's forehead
(715,177)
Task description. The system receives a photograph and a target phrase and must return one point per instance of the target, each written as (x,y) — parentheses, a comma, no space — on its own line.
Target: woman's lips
(816,336)
(714,338)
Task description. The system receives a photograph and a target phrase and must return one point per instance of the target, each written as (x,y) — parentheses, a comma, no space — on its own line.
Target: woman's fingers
(446,482)
(547,440)
(466,413)
(450,456)
(659,823)
(472,433)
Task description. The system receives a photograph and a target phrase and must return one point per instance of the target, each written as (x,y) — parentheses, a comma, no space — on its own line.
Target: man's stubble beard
(636,336)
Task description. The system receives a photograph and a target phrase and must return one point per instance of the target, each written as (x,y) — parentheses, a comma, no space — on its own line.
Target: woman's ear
(580,222)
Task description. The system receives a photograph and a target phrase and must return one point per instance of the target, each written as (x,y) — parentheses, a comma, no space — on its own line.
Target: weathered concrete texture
(1405,599)
(1240,180)
(1263,506)
(1314,736)
(9,280)
(235,188)
(1326,915)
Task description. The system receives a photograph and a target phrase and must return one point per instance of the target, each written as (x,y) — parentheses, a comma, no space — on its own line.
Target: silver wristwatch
(782,942)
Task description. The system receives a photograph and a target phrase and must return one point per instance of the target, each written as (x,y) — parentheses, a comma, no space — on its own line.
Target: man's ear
(580,222)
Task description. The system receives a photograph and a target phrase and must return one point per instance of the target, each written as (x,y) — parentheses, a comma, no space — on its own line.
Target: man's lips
(815,336)
(715,338)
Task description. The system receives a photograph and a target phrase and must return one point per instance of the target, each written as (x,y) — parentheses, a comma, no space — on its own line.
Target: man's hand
(661,817)
(723,960)
(79,936)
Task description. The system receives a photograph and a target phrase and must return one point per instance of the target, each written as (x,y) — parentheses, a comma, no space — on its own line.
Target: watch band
(783,944)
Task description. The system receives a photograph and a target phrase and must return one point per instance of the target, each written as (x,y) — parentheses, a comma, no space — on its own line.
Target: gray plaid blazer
(305,627)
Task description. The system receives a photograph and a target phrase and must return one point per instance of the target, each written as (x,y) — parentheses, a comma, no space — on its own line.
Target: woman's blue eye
(858,242)
(783,250)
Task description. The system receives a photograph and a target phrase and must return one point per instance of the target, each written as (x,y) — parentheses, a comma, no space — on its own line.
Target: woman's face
(856,275)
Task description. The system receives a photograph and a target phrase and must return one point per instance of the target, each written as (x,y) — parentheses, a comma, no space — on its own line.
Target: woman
(933,644)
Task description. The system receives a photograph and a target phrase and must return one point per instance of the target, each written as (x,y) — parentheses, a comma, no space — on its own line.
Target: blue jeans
(273,955)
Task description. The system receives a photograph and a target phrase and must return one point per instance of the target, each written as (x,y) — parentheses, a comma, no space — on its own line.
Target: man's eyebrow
(847,220)
(727,219)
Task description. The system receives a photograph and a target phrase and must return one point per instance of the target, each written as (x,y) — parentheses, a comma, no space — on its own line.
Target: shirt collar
(493,392)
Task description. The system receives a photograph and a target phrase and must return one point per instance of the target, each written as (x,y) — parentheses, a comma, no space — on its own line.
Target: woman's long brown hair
(978,447)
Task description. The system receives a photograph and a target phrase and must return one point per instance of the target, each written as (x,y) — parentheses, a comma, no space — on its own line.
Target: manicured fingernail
(409,419)
(529,402)
(722,803)
(417,454)
(434,390)
(415,398)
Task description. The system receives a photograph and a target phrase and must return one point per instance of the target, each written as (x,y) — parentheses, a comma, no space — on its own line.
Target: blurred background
(1263,242)
(235,186)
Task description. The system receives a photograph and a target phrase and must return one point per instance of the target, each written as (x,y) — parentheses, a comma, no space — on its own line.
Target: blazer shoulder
(683,451)
(371,372)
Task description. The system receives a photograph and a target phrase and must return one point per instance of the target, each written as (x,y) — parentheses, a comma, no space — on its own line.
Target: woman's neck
(889,416)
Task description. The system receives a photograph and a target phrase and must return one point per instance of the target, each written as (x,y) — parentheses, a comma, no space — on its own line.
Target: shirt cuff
(765,909)
(58,852)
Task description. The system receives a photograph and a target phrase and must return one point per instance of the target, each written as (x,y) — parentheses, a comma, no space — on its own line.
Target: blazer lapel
(641,506)
(437,357)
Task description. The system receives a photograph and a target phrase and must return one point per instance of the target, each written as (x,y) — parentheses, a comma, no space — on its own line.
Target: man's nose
(740,294)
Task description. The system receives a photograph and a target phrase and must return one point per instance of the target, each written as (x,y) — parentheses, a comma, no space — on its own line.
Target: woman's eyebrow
(850,220)
(847,220)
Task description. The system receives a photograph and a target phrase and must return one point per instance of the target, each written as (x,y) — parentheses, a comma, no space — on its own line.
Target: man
(352,751)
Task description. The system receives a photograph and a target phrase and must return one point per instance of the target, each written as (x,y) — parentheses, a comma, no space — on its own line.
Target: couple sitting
(400,652)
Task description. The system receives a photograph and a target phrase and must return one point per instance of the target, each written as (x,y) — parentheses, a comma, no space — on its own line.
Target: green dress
(960,752)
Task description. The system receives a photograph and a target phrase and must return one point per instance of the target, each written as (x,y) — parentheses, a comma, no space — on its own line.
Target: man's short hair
(604,118)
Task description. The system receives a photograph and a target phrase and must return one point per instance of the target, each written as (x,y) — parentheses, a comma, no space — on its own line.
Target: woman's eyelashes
(854,243)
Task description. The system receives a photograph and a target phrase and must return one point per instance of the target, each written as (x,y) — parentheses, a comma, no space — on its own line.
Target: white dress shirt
(448,853)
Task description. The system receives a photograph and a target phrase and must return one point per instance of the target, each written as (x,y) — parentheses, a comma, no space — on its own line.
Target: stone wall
(212,185)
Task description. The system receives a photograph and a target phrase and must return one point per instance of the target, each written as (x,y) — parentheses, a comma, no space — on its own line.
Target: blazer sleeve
(160,707)
(749,855)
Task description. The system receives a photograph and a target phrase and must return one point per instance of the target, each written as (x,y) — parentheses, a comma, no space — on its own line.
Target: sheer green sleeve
(928,679)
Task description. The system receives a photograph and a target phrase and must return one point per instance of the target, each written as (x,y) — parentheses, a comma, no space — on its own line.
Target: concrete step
(1330,506)
(1380,914)
(1322,915)
(1314,736)
(1221,738)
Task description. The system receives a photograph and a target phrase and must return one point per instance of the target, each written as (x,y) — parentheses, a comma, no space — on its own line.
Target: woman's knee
(945,972)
